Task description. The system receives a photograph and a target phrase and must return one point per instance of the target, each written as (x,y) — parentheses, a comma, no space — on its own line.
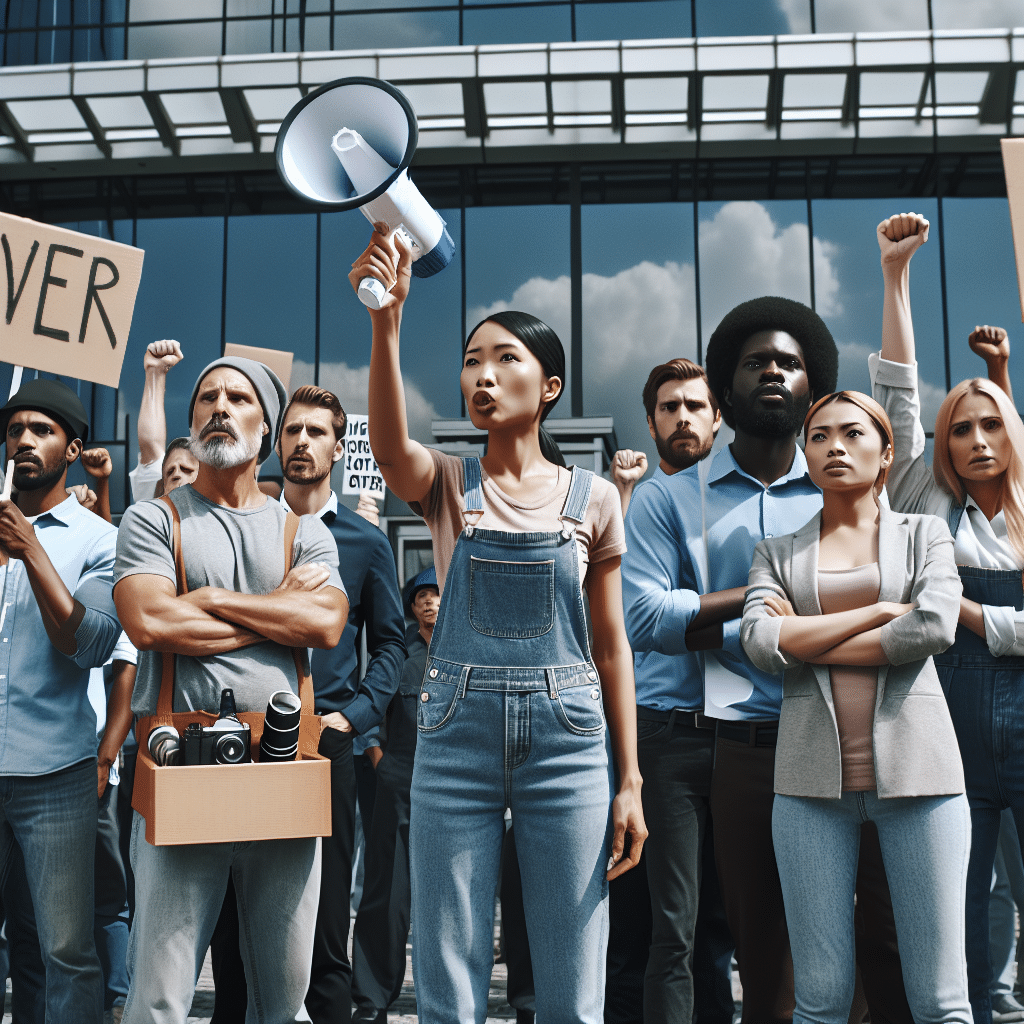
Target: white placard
(361,470)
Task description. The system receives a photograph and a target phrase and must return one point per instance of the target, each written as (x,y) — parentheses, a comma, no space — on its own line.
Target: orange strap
(165,702)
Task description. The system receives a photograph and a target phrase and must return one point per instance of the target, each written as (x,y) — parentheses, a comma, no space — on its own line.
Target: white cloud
(352,386)
(644,315)
(881,16)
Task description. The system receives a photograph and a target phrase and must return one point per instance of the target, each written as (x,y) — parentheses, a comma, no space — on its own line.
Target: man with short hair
(312,440)
(237,627)
(57,621)
(663,577)
(767,361)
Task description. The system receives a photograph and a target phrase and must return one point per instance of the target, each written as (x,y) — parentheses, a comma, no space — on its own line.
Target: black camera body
(224,742)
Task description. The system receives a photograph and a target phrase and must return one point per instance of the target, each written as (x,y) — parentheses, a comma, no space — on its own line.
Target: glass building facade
(633,256)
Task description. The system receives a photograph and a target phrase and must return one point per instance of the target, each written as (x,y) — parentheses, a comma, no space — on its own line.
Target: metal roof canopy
(765,96)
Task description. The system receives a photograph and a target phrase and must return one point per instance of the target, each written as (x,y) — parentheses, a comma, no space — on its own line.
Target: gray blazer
(915,747)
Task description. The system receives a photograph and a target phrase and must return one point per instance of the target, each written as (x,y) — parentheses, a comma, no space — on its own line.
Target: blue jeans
(925,845)
(178,895)
(479,752)
(53,819)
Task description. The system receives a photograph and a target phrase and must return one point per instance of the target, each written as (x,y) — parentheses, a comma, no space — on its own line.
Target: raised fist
(628,467)
(162,355)
(86,497)
(900,236)
(97,462)
(991,343)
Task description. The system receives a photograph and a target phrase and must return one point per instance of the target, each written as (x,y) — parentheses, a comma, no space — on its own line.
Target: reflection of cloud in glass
(352,383)
(874,16)
(644,315)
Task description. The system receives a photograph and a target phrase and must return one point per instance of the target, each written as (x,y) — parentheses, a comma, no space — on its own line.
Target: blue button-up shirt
(739,512)
(46,720)
(662,578)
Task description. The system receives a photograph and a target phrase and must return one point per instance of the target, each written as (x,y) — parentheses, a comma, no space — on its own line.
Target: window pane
(872,16)
(518,258)
(179,297)
(389,31)
(516,25)
(248,36)
(752,17)
(848,282)
(188,39)
(748,249)
(957,14)
(431,328)
(655,19)
(638,307)
(981,283)
(160,10)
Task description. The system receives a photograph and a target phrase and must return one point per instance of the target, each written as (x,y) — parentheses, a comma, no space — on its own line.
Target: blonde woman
(852,607)
(976,487)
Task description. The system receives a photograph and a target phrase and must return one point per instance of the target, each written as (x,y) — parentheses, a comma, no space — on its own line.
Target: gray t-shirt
(237,549)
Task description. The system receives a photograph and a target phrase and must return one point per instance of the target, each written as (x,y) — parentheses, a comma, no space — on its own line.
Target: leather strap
(165,701)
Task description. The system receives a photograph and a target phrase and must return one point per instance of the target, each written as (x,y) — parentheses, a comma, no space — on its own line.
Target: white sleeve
(144,478)
(1004,630)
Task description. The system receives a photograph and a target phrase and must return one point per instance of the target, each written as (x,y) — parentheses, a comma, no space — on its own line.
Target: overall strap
(165,701)
(474,491)
(954,516)
(575,508)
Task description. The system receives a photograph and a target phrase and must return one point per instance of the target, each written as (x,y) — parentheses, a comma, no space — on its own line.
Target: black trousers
(670,948)
(382,923)
(329,999)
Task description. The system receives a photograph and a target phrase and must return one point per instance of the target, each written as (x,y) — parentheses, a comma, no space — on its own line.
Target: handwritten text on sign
(361,472)
(69,300)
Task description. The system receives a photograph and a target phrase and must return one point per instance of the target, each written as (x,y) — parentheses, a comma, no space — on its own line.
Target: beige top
(600,536)
(854,687)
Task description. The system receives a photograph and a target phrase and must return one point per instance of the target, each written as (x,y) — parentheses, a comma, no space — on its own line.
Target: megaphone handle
(371,292)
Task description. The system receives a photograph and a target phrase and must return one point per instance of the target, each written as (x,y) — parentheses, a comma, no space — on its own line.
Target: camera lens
(163,745)
(229,749)
(280,741)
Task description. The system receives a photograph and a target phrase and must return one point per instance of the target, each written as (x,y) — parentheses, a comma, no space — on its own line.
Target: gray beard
(224,452)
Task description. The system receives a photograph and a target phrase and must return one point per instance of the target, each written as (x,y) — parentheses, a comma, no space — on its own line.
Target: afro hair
(771,313)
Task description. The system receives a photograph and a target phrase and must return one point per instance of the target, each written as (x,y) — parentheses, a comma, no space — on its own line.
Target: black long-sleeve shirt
(367,567)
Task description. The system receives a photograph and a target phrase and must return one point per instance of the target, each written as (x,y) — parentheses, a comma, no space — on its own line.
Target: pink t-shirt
(600,536)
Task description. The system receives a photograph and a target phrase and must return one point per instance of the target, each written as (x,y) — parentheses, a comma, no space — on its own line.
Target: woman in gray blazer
(851,607)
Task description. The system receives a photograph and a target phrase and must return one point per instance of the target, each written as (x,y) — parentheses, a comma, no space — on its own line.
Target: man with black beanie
(767,361)
(57,621)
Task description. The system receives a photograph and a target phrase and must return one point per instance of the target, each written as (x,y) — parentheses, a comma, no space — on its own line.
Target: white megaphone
(348,145)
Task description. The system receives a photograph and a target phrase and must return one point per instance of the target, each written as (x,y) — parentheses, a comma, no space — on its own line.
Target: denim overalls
(985,694)
(510,715)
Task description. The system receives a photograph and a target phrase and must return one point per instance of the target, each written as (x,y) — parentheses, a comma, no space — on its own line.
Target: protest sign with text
(70,299)
(360,467)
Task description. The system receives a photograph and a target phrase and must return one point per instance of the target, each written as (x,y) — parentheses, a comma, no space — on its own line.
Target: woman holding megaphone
(514,704)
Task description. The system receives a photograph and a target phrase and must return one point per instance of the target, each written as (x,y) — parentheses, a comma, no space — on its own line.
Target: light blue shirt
(46,720)
(662,579)
(740,511)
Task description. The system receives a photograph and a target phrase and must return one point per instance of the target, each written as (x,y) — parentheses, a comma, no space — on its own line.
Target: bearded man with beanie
(767,361)
(235,628)
(57,621)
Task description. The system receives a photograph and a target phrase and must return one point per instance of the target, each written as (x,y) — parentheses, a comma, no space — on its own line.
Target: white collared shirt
(330,506)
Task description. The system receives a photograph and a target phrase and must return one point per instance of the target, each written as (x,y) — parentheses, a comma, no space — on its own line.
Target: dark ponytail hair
(542,342)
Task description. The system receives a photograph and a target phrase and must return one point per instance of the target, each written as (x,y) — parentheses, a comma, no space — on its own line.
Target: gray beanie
(269,390)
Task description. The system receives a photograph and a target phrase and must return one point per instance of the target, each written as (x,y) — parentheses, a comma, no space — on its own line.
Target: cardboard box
(227,803)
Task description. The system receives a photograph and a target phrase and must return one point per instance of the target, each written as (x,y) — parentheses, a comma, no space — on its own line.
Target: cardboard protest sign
(70,299)
(360,467)
(279,362)
(1013,168)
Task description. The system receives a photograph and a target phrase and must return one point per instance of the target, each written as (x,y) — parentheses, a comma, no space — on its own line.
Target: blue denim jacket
(46,720)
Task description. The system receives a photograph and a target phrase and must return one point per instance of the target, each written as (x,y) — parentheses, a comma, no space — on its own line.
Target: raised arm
(405,464)
(628,467)
(98,464)
(899,237)
(159,358)
(993,345)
